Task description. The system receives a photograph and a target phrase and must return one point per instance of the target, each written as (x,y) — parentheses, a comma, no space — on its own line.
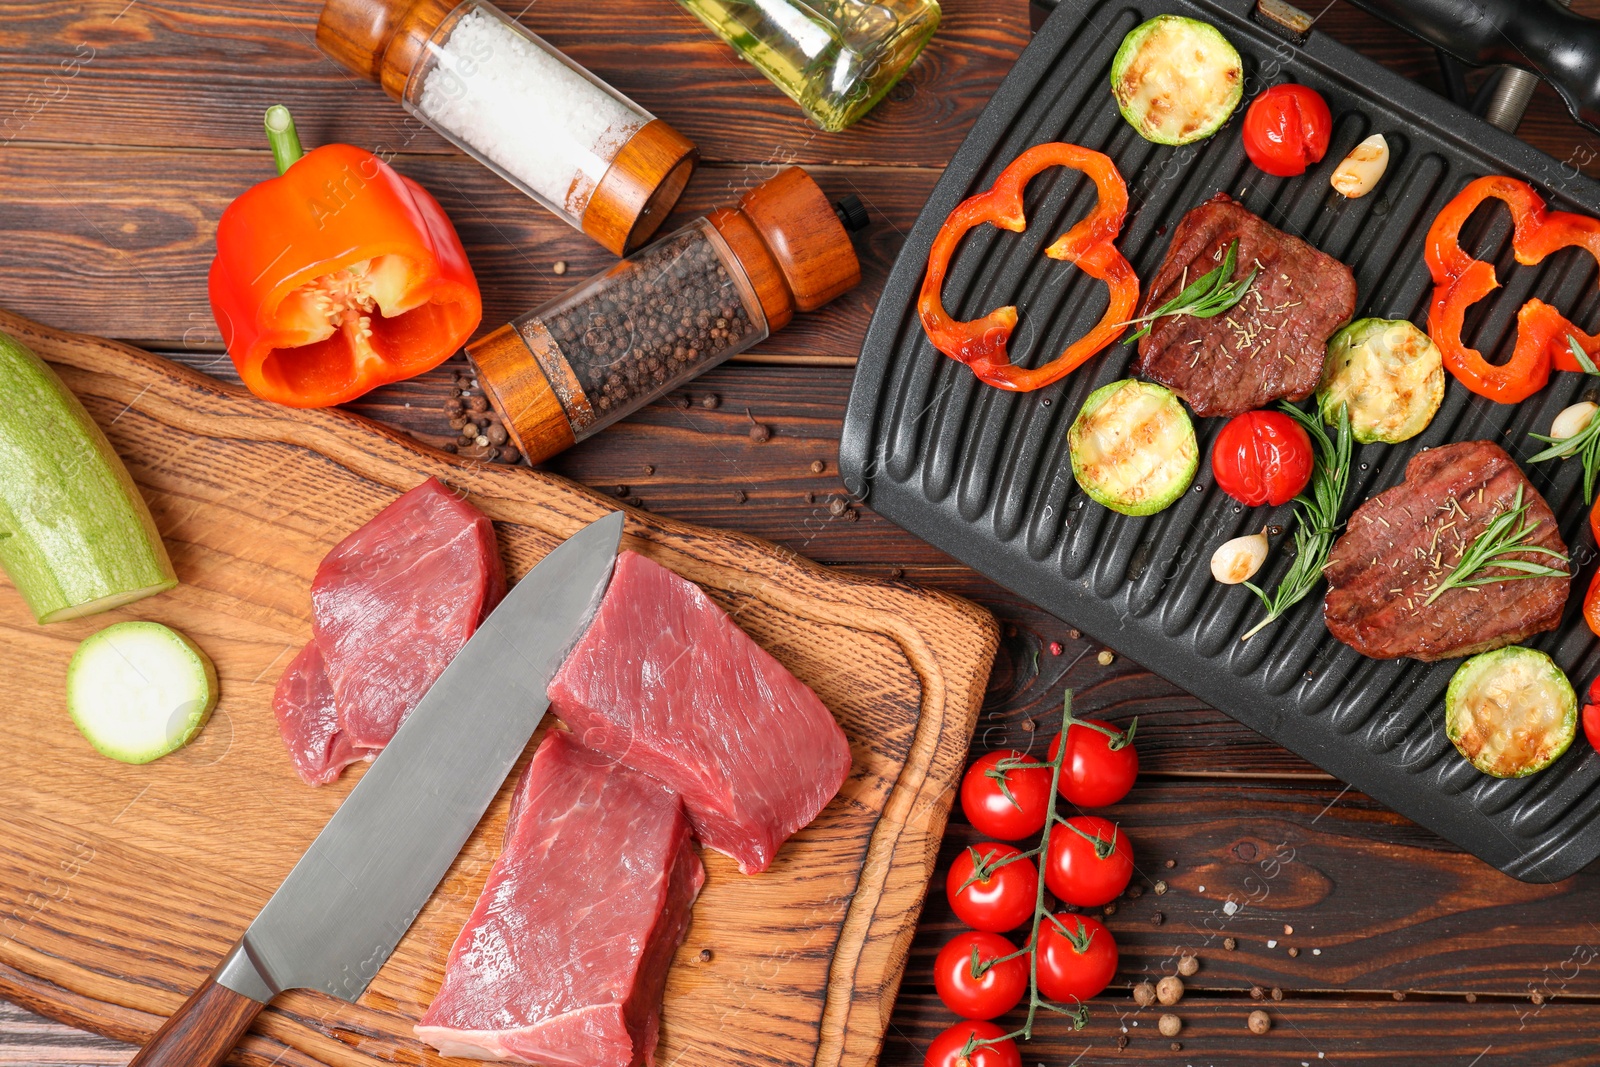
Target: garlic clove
(1360,171)
(1238,560)
(1573,420)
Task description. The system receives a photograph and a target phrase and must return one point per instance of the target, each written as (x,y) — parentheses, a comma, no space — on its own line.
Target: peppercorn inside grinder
(520,107)
(669,312)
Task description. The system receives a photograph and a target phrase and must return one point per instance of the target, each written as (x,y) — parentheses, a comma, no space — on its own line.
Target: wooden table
(129,124)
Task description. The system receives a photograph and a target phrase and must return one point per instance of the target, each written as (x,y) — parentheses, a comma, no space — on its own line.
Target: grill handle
(1540,36)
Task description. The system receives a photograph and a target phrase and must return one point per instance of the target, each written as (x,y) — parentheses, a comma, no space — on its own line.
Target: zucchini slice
(1133,447)
(1176,80)
(138,690)
(1510,712)
(1388,373)
(75,536)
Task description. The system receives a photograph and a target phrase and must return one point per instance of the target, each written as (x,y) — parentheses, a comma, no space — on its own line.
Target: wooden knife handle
(203,1031)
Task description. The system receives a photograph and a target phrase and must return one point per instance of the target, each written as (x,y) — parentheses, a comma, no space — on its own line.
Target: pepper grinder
(671,311)
(520,107)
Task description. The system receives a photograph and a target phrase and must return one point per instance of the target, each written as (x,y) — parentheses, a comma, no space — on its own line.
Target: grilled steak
(1269,345)
(1399,545)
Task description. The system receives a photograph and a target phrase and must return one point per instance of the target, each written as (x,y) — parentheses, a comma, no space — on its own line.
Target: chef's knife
(354,893)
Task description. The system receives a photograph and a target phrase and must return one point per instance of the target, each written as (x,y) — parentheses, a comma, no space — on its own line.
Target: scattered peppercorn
(1122,1042)
(1169,1025)
(469,430)
(1172,863)
(1176,1046)
(1472,998)
(1028,726)
(680,401)
(817,466)
(560,267)
(1144,994)
(1229,943)
(1288,931)
(1259,1022)
(837,506)
(1257,993)
(1188,965)
(811,498)
(450,446)
(760,432)
(1075,633)
(620,490)
(1111,909)
(649,468)
(710,401)
(1135,891)
(1106,657)
(1169,990)
(477,403)
(1537,998)
(705,955)
(453,404)
(739,496)
(1156,918)
(850,515)
(1160,887)
(1277,994)
(497,434)
(482,440)
(897,573)
(1399,995)
(1294,952)
(510,454)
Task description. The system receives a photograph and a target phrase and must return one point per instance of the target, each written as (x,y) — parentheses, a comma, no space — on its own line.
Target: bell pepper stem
(282,137)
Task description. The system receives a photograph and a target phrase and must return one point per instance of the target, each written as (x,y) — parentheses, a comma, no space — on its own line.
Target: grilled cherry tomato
(1262,457)
(1006,803)
(1287,129)
(993,992)
(1591,715)
(989,890)
(1100,765)
(1077,964)
(1089,862)
(950,1049)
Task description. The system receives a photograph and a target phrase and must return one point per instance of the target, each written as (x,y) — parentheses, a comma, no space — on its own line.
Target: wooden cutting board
(121,887)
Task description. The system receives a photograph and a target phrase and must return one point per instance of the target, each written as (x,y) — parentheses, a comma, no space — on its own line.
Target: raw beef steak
(1399,545)
(565,957)
(1269,345)
(391,605)
(664,681)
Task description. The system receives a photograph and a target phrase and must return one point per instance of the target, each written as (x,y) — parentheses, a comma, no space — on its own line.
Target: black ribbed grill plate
(984,474)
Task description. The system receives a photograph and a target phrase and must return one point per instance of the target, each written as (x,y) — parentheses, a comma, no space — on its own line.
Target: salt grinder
(669,312)
(520,107)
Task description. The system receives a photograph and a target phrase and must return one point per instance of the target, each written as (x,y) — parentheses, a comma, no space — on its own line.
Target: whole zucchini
(75,536)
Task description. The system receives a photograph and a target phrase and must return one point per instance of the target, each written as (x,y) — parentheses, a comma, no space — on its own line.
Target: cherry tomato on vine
(1077,957)
(1100,765)
(1262,457)
(1287,129)
(1089,862)
(1006,802)
(989,890)
(951,1048)
(997,987)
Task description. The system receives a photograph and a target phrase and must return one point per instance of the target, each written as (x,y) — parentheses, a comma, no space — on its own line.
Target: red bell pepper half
(338,276)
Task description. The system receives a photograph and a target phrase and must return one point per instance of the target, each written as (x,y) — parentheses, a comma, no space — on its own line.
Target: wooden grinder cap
(380,39)
(791,244)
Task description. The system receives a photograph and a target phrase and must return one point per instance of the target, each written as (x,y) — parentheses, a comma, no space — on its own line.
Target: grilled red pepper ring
(1461,281)
(981,343)
(1591,599)
(337,276)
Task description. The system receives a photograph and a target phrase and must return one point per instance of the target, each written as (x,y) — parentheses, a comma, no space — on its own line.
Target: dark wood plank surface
(127,127)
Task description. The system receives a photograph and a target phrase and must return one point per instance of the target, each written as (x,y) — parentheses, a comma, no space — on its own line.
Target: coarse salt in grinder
(530,114)
(667,313)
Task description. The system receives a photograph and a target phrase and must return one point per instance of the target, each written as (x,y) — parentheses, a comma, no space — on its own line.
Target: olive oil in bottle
(835,58)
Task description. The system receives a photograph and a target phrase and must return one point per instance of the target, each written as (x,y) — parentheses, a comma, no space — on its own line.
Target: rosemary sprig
(1318,516)
(1507,535)
(1585,444)
(1209,295)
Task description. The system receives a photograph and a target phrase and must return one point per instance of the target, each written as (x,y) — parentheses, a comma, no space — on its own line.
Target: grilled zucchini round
(1510,712)
(1388,373)
(1133,447)
(1176,80)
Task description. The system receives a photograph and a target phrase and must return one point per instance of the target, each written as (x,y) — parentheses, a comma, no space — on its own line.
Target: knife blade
(354,893)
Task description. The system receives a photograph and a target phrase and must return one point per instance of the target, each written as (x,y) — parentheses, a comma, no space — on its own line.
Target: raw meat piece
(391,606)
(665,682)
(309,721)
(1399,545)
(565,957)
(394,602)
